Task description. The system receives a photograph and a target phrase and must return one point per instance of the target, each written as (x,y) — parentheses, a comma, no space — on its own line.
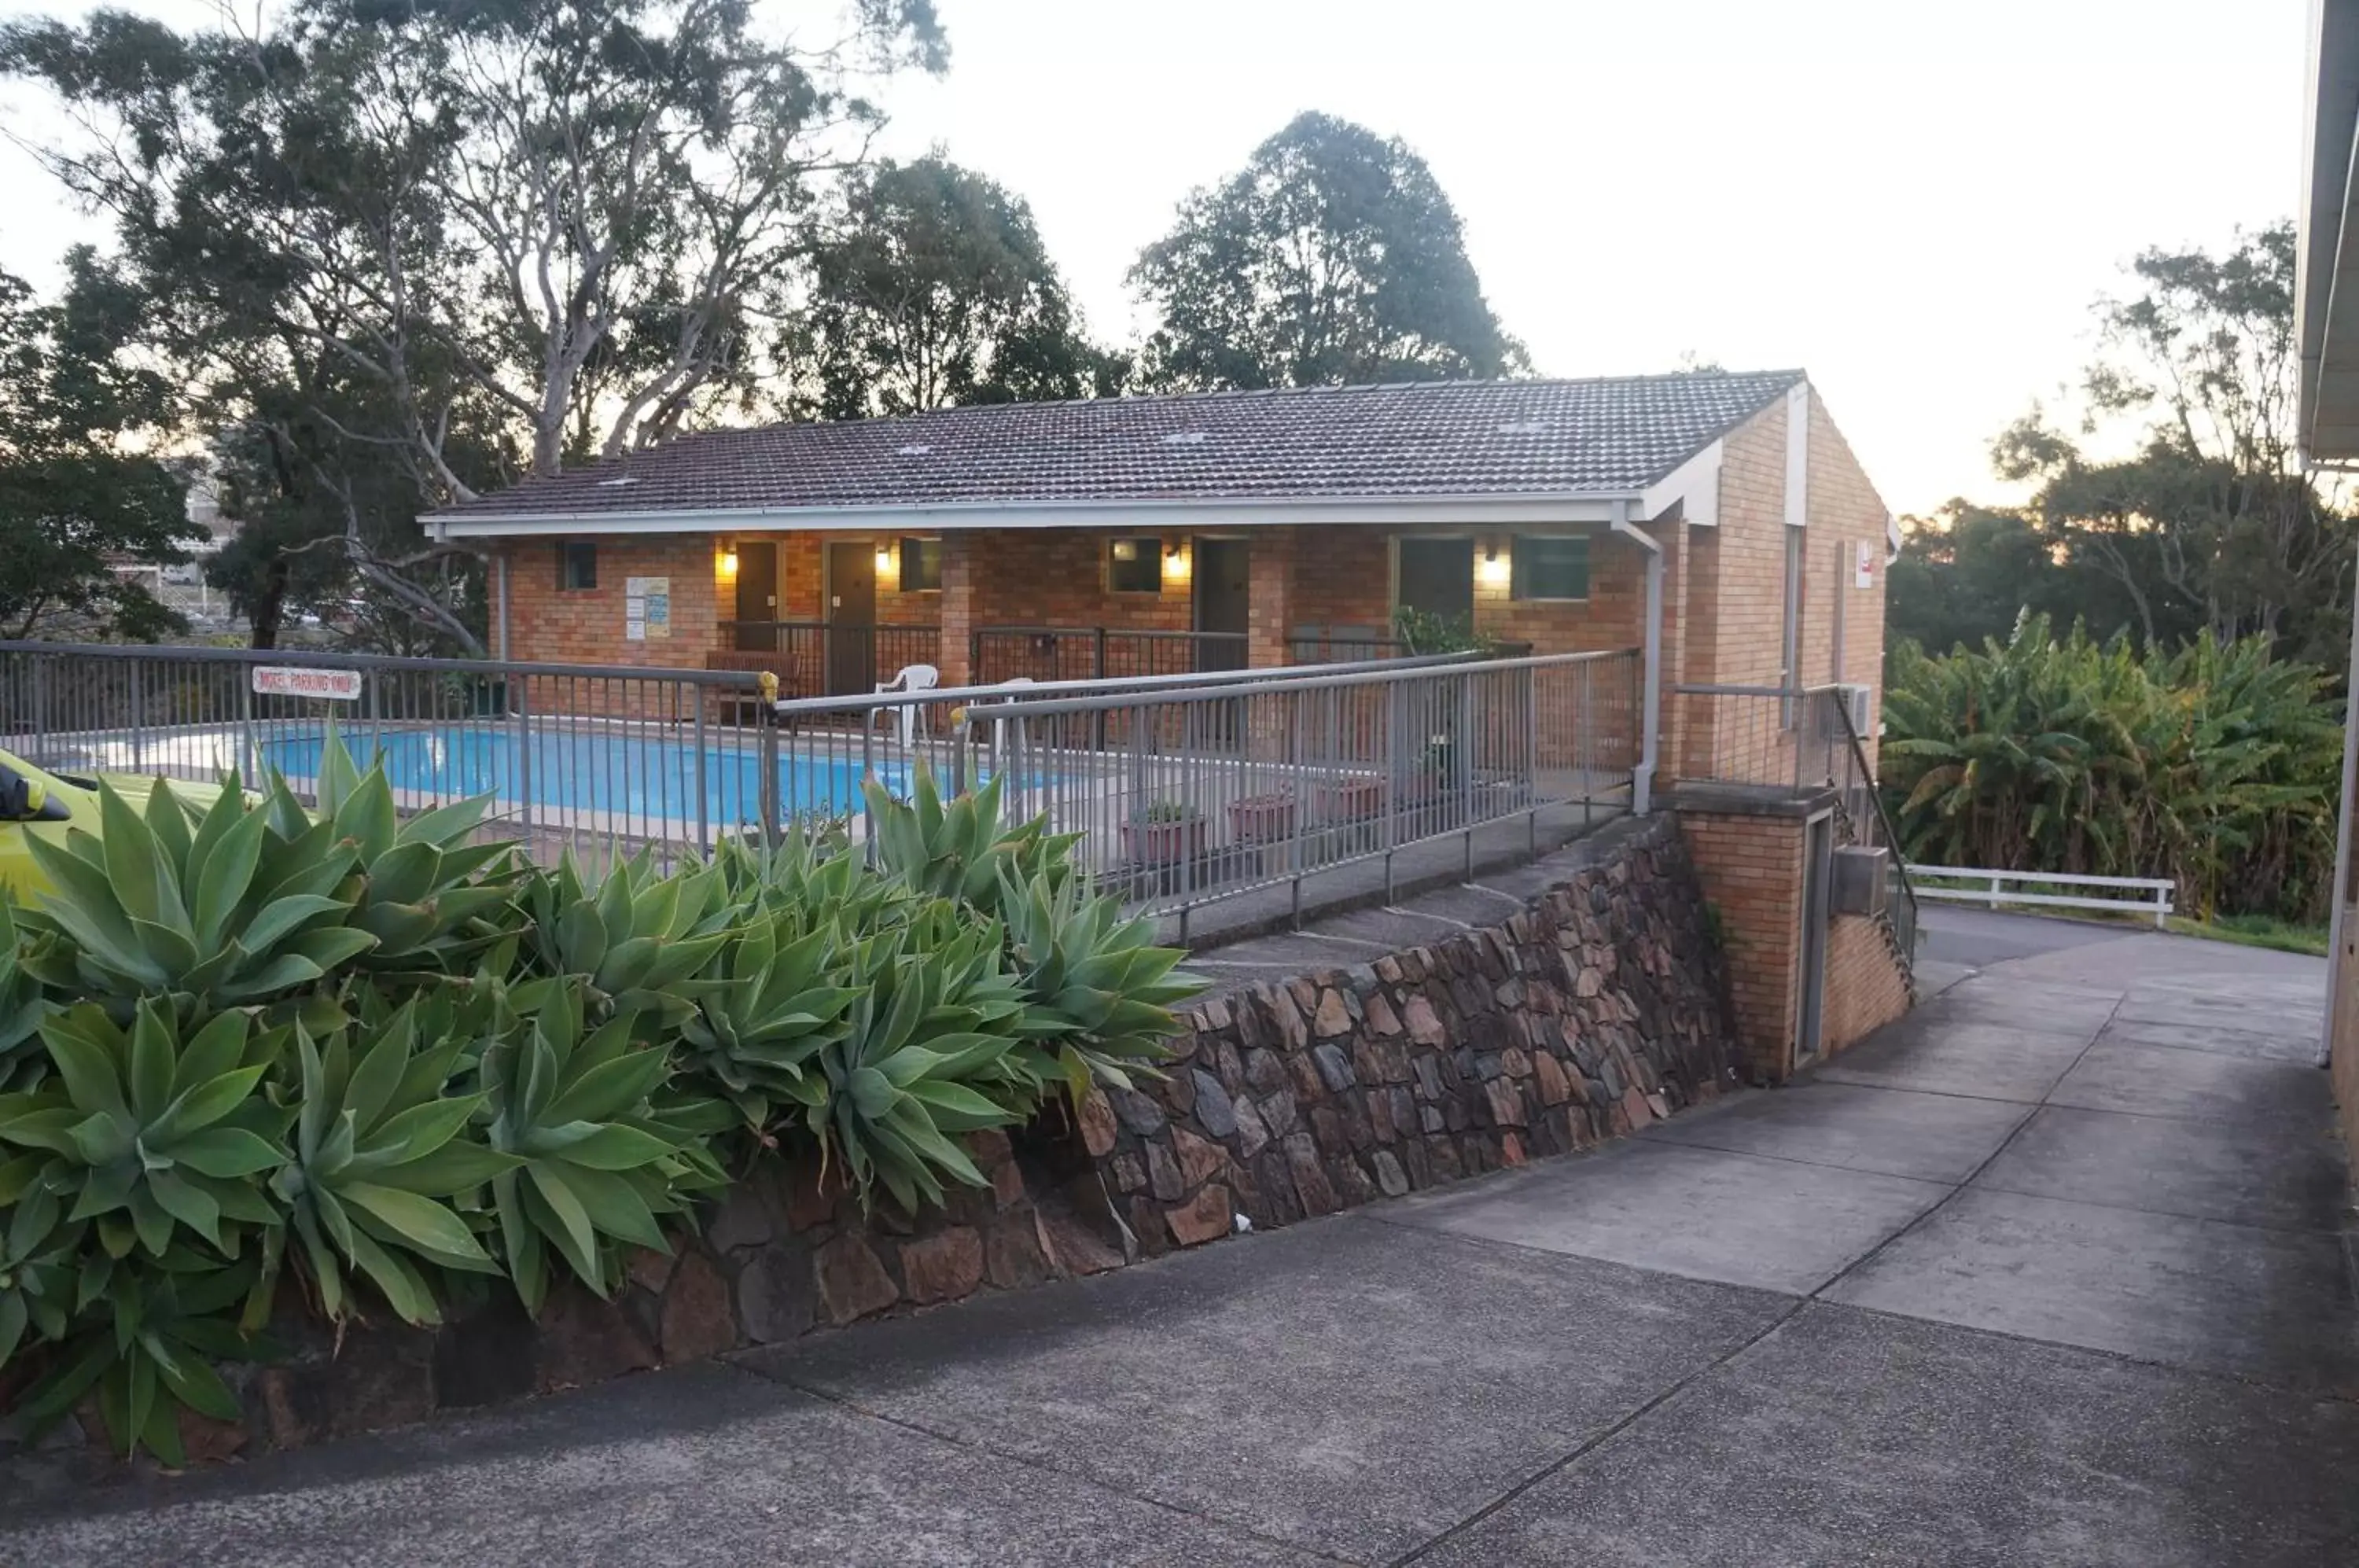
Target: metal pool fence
(1187,787)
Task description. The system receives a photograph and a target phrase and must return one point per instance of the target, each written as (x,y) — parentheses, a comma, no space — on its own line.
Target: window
(1135,565)
(921,565)
(1551,566)
(577,564)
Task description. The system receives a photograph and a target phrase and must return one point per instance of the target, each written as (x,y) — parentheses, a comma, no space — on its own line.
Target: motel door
(851,618)
(1437,576)
(1223,592)
(757,596)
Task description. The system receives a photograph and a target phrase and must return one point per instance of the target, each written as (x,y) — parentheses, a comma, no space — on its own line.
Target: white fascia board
(1501,511)
(1797,455)
(1694,486)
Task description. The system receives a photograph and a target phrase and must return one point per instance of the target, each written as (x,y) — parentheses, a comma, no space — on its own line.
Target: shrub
(245,1039)
(2217,766)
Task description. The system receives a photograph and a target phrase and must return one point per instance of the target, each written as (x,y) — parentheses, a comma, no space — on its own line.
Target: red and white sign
(292,681)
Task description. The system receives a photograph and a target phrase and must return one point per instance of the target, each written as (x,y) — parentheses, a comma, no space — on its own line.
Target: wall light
(1179,564)
(728,565)
(1496,567)
(883,558)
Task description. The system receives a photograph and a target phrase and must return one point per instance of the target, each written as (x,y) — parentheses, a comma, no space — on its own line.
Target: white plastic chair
(999,725)
(913,677)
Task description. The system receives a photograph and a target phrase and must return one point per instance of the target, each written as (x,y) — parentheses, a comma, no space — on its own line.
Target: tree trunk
(270,609)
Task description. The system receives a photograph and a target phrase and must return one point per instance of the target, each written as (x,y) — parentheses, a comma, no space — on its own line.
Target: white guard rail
(1998,888)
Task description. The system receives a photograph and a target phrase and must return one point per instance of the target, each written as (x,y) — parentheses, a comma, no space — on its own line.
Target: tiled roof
(1426,439)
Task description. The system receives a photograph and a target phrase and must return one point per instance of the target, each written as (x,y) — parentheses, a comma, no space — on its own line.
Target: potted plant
(1164,832)
(1351,798)
(1262,819)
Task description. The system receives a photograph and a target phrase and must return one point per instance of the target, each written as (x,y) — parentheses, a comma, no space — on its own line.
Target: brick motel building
(1214,531)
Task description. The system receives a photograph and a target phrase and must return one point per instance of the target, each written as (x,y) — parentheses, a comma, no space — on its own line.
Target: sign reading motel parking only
(292,681)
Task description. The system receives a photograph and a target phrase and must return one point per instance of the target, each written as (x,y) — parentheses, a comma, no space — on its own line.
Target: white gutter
(1642,777)
(1469,512)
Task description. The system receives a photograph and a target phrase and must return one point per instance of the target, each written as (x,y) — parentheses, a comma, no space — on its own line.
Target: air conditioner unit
(1859,701)
(1861,883)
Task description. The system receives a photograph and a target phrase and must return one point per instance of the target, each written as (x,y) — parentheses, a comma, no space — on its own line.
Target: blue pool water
(634,778)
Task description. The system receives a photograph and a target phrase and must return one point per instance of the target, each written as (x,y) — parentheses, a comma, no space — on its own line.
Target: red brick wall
(1751,869)
(552,626)
(1865,987)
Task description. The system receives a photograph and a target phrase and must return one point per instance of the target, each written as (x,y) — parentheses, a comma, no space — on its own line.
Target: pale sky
(1917,203)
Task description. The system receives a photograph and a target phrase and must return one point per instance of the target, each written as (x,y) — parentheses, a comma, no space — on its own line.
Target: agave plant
(23,1063)
(152,1135)
(593,1162)
(377,1142)
(1100,989)
(637,940)
(240,906)
(931,1018)
(958,849)
(778,1002)
(146,1343)
(428,896)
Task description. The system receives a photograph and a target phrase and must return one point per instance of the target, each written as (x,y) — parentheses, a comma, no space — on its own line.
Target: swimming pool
(621,777)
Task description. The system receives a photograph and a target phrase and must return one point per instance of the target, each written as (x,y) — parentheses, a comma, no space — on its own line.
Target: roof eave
(1496,509)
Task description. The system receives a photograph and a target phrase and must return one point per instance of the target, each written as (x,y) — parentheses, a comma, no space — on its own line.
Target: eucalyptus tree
(444,243)
(1333,256)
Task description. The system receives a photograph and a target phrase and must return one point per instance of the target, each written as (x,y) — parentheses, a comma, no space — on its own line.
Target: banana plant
(428,896)
(1101,991)
(593,1164)
(378,1141)
(778,1002)
(154,1135)
(242,906)
(637,940)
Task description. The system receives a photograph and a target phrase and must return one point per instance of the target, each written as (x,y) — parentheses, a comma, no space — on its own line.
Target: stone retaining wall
(1598,1008)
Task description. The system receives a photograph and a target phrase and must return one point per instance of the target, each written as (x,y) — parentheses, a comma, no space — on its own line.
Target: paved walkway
(2051,1274)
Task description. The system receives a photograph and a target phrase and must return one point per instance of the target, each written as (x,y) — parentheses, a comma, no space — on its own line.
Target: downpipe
(1642,777)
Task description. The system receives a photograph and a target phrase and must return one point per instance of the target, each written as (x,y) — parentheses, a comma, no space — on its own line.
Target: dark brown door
(1224,585)
(1437,576)
(851,618)
(757,598)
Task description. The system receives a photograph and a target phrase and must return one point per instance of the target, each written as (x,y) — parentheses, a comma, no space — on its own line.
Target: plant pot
(1262,819)
(1148,842)
(1349,800)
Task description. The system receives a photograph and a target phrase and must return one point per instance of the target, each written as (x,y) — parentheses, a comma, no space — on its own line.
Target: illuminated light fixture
(1496,567)
(729,563)
(883,558)
(1177,565)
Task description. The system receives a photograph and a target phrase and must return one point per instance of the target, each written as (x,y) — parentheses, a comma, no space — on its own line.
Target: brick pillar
(1749,862)
(962,566)
(1271,596)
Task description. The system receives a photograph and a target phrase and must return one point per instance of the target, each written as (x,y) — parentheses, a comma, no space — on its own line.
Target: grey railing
(1853,776)
(1187,787)
(1202,793)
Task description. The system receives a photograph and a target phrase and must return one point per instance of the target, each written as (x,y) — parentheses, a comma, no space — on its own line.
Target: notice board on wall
(647,609)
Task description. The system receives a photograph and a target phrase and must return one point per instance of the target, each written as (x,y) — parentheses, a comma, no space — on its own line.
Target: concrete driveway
(2051,1272)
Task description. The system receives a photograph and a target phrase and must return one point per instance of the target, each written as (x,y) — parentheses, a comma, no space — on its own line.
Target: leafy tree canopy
(935,290)
(79,492)
(1332,257)
(405,252)
(2206,525)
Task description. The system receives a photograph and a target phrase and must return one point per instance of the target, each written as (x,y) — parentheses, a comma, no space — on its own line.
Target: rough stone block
(1206,1217)
(698,1320)
(942,1268)
(851,1282)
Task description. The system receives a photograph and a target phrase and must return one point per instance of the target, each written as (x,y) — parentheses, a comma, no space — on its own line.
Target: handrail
(185,653)
(1876,796)
(2162,888)
(1297,678)
(1185,679)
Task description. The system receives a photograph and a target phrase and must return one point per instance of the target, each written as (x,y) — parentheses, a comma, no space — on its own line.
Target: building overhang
(1695,484)
(2326,262)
